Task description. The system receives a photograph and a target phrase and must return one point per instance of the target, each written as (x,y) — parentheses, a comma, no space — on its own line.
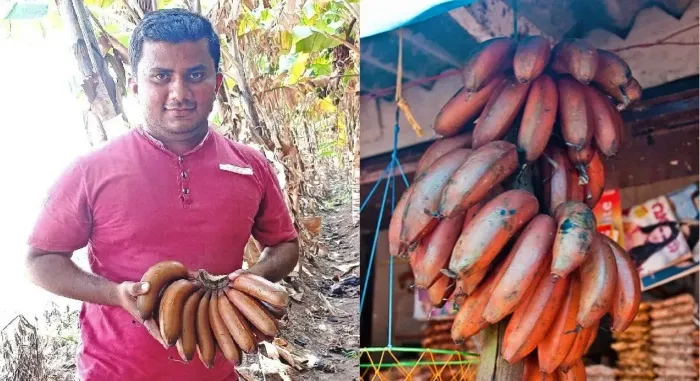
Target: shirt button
(183,174)
(185,190)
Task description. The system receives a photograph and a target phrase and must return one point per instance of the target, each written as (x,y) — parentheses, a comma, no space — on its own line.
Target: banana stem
(492,366)
(211,282)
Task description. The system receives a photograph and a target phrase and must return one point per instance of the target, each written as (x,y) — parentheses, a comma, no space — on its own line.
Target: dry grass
(40,351)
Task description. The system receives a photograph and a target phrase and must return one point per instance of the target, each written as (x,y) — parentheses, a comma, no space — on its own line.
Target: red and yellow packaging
(608,213)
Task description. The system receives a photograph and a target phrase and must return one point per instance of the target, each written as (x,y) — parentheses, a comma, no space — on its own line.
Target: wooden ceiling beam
(488,19)
(429,48)
(367,58)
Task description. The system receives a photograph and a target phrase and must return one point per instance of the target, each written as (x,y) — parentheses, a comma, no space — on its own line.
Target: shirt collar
(142,130)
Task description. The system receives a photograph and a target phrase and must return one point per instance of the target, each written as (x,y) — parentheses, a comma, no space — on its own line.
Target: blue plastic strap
(390,183)
(376,236)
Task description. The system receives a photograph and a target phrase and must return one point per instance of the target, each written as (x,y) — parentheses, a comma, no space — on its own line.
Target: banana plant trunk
(99,87)
(263,134)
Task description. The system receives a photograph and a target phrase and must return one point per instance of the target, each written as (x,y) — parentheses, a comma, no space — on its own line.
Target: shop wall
(638,194)
(403,325)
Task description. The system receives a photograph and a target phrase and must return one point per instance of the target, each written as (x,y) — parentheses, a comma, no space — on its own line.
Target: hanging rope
(389,174)
(403,105)
(515,20)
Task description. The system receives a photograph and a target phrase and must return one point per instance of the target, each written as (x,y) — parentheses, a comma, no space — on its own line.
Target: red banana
(531,371)
(489,231)
(439,148)
(485,168)
(612,70)
(538,118)
(607,122)
(500,111)
(396,247)
(533,318)
(576,57)
(531,249)
(560,183)
(469,320)
(575,116)
(628,293)
(531,58)
(490,58)
(440,291)
(436,250)
(423,203)
(463,108)
(598,274)
(595,172)
(576,227)
(553,349)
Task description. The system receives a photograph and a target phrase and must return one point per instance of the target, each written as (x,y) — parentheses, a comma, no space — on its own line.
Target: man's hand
(275,262)
(236,274)
(126,296)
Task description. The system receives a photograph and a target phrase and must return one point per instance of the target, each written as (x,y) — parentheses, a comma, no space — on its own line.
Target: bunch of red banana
(501,253)
(572,91)
(209,314)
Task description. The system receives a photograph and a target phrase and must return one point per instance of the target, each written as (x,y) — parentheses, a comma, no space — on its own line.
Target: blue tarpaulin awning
(379,16)
(23,11)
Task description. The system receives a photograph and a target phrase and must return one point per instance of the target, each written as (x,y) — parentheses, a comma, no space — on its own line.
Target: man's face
(176,85)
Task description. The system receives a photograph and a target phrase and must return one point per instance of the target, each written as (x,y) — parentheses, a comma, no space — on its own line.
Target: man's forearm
(58,274)
(276,262)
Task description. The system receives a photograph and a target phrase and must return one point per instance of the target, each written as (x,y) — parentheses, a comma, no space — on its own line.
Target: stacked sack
(599,372)
(674,338)
(633,348)
(436,335)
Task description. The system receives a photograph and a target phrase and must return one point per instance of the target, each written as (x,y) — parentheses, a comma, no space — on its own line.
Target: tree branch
(136,16)
(83,30)
(351,9)
(344,42)
(315,79)
(118,47)
(249,111)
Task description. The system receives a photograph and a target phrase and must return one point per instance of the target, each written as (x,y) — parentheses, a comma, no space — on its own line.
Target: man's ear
(133,86)
(219,81)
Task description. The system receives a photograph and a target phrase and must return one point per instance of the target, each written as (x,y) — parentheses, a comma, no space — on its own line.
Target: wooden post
(492,367)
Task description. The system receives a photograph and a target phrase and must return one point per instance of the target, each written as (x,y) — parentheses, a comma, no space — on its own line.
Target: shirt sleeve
(64,223)
(273,223)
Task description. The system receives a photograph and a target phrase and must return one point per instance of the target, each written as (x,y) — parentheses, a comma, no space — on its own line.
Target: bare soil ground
(321,330)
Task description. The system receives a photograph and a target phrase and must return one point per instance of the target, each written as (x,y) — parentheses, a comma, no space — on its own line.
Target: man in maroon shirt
(169,189)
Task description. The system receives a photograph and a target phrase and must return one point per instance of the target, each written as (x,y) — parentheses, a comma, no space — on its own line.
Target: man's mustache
(180,106)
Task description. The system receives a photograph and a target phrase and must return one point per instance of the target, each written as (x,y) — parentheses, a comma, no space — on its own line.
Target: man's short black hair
(173,26)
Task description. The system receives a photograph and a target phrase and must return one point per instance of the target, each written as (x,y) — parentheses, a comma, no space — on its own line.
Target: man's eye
(197,76)
(160,76)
